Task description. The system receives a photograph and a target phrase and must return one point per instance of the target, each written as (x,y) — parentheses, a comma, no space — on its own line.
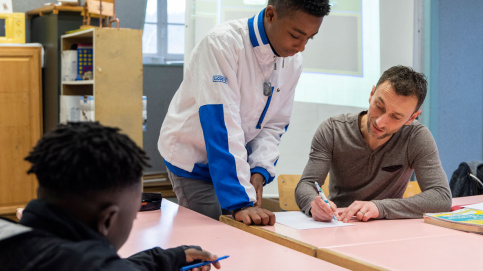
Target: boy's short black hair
(81,157)
(318,8)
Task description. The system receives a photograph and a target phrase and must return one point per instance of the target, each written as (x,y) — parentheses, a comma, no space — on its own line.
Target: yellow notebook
(470,220)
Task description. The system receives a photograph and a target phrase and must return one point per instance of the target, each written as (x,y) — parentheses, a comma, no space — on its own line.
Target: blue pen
(189,267)
(321,194)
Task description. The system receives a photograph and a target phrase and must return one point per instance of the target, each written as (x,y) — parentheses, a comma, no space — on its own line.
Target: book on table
(466,219)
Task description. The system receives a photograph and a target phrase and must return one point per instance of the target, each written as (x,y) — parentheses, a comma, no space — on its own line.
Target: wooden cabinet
(20,123)
(117,84)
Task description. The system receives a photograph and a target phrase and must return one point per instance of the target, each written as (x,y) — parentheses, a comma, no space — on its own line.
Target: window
(163,35)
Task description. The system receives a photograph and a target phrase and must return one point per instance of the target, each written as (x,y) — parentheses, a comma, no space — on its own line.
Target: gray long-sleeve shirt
(380,175)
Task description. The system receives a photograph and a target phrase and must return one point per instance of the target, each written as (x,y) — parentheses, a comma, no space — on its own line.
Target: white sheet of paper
(478,206)
(300,221)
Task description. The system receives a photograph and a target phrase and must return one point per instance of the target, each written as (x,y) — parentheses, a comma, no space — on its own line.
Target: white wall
(295,145)
(397,28)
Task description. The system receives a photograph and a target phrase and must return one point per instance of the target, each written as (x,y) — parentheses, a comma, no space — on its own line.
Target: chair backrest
(287,184)
(412,189)
(102,9)
(94,8)
(286,191)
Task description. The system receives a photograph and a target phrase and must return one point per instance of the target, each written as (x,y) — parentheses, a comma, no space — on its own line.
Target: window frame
(162,56)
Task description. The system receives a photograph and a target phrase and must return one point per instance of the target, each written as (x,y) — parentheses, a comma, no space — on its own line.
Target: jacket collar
(257,31)
(45,216)
(258,37)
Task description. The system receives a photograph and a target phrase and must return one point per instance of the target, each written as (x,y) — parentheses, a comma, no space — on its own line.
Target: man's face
(289,35)
(388,112)
(129,205)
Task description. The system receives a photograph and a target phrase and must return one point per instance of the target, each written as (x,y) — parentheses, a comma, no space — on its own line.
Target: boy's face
(129,204)
(289,35)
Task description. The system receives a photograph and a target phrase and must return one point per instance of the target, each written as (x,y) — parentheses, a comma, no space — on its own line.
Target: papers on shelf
(300,221)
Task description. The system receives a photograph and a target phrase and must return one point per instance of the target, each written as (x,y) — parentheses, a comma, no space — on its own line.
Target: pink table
(467,200)
(454,251)
(460,251)
(370,232)
(175,225)
(358,246)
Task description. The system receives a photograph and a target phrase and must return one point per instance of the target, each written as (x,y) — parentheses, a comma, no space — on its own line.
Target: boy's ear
(106,218)
(270,12)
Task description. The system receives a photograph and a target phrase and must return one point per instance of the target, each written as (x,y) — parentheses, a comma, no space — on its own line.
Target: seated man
(88,196)
(372,155)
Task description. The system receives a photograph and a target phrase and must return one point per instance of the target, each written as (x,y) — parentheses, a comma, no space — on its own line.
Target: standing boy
(220,137)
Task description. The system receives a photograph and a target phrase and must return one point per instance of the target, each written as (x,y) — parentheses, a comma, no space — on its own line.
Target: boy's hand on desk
(321,212)
(257,181)
(362,210)
(193,254)
(255,215)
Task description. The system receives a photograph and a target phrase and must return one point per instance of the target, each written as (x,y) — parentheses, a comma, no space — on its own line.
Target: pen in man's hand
(324,198)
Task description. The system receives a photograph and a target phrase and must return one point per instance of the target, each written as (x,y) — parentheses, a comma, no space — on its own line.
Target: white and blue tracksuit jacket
(220,127)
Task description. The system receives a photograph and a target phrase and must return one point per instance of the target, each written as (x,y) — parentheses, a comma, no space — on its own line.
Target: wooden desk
(456,250)
(335,244)
(175,225)
(461,251)
(467,200)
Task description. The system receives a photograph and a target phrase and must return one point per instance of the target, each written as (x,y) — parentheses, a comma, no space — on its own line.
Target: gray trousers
(196,195)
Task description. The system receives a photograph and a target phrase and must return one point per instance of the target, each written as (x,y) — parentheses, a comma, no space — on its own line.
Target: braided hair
(82,157)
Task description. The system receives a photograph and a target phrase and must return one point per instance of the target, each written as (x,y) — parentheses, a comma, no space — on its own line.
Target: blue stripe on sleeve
(199,172)
(221,162)
(270,179)
(286,127)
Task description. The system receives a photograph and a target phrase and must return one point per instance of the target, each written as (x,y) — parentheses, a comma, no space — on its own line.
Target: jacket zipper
(260,120)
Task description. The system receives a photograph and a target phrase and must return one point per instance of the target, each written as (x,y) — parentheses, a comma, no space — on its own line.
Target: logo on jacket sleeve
(219,78)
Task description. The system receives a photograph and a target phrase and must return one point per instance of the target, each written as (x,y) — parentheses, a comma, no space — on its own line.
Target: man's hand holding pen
(321,211)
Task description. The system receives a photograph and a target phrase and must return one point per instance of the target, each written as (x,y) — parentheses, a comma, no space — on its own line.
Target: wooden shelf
(53,9)
(78,82)
(117,69)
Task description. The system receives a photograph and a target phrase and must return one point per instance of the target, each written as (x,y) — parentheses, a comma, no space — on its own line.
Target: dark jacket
(48,238)
(467,179)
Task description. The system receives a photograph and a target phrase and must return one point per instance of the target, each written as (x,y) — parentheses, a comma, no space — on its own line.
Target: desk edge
(271,236)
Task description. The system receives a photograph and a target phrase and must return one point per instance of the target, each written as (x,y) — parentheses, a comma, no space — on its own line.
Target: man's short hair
(406,82)
(82,157)
(318,8)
